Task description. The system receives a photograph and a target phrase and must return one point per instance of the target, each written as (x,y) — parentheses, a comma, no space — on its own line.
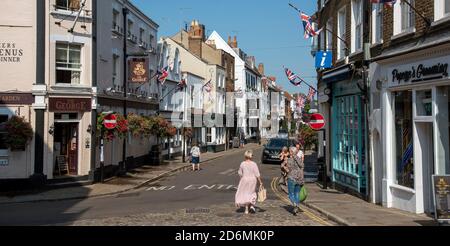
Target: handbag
(303,194)
(262,194)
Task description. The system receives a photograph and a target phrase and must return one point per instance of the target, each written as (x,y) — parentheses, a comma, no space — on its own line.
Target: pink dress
(246,193)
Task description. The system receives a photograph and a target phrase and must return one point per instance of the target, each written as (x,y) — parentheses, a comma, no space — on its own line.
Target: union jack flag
(309,30)
(389,3)
(208,87)
(162,75)
(311,94)
(300,103)
(293,78)
(182,85)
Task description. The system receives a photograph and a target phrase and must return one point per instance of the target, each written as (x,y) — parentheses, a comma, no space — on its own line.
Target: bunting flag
(300,104)
(311,94)
(208,87)
(389,3)
(162,75)
(309,30)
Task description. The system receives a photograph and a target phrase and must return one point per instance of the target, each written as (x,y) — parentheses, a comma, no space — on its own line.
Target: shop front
(348,131)
(70,137)
(415,108)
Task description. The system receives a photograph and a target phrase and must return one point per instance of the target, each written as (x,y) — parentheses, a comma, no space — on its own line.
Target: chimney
(234,44)
(229,41)
(261,68)
(196,37)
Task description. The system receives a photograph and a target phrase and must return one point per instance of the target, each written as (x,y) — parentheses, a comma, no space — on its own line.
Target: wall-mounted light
(51,130)
(89,129)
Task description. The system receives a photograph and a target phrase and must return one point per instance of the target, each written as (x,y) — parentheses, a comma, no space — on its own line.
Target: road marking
(160,188)
(195,187)
(227,172)
(306,211)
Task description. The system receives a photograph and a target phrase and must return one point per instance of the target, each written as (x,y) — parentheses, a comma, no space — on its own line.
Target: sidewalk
(134,180)
(348,210)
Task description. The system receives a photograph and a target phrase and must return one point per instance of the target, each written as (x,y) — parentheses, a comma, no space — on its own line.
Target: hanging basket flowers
(136,125)
(119,131)
(19,133)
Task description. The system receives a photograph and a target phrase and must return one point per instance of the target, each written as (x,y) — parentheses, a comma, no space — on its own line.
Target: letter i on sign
(324,58)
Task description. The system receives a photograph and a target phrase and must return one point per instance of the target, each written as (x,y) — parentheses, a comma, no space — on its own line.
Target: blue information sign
(324,59)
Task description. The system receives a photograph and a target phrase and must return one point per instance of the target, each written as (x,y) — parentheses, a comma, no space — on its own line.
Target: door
(426,158)
(73,148)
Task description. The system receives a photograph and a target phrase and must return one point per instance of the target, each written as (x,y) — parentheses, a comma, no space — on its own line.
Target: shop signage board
(441,192)
(138,70)
(70,105)
(16,98)
(425,70)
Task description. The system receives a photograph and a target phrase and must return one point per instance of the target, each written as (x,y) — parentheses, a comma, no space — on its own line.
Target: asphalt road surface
(187,198)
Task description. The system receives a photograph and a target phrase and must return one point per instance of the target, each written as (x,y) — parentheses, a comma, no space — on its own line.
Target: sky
(270,30)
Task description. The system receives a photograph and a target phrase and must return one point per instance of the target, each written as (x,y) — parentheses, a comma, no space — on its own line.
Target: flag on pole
(293,78)
(309,30)
(162,75)
(300,103)
(181,85)
(311,94)
(208,87)
(389,3)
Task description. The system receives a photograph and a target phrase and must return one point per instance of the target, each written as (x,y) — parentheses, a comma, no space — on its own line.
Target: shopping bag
(303,194)
(262,194)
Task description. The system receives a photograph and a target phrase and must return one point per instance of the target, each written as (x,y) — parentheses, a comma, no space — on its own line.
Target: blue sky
(270,30)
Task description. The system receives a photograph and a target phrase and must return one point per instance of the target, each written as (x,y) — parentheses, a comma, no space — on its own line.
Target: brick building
(386,98)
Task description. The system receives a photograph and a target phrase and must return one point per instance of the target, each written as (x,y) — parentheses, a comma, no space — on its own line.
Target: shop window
(71,116)
(424,103)
(208,135)
(443,129)
(3,120)
(68,63)
(404,139)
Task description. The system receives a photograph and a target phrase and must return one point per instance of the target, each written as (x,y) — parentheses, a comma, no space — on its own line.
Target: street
(187,198)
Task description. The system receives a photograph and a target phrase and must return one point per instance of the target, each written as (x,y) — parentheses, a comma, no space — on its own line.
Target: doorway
(66,149)
(425,155)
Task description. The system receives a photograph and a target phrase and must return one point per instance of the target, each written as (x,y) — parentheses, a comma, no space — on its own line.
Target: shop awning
(338,74)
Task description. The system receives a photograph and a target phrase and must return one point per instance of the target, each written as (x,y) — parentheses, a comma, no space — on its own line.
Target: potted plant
(19,133)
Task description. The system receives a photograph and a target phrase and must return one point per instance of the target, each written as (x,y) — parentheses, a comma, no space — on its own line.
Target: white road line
(227,172)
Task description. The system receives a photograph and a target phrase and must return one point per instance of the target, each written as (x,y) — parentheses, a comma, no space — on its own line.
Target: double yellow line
(286,200)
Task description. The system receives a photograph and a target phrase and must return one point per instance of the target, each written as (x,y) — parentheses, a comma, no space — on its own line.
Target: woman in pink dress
(246,193)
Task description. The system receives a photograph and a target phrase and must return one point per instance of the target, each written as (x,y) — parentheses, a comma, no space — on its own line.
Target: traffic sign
(110,121)
(317,122)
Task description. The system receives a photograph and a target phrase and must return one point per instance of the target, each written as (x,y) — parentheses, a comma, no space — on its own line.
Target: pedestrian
(195,157)
(300,153)
(242,139)
(284,156)
(246,194)
(296,179)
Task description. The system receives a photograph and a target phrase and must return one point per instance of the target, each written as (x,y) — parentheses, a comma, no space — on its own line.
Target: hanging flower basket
(19,133)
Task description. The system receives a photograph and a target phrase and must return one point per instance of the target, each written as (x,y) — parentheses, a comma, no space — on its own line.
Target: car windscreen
(278,143)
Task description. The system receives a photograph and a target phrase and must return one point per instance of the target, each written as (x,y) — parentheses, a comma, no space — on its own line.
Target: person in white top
(195,157)
(300,153)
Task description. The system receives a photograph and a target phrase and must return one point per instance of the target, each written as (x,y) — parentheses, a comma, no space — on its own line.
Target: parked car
(273,148)
(283,134)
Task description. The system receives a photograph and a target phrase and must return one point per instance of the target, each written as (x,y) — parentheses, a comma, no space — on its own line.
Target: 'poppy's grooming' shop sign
(10,53)
(423,71)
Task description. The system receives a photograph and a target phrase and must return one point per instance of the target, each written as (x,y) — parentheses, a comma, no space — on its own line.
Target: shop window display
(404,139)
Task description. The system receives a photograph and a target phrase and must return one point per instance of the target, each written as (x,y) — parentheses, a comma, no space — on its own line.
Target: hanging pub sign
(426,70)
(138,70)
(441,192)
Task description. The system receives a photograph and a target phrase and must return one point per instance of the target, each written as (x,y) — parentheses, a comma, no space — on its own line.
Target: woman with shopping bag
(250,176)
(296,179)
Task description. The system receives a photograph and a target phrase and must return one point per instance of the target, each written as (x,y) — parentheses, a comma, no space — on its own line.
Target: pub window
(3,119)
(404,139)
(68,63)
(70,116)
(208,135)
(115,70)
(71,5)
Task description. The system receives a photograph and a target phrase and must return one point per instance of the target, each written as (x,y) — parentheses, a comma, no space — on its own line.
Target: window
(130,27)
(441,9)
(208,135)
(329,35)
(115,69)
(71,5)
(443,129)
(377,18)
(357,26)
(341,49)
(141,35)
(424,103)
(408,16)
(447,7)
(3,149)
(115,18)
(68,63)
(404,139)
